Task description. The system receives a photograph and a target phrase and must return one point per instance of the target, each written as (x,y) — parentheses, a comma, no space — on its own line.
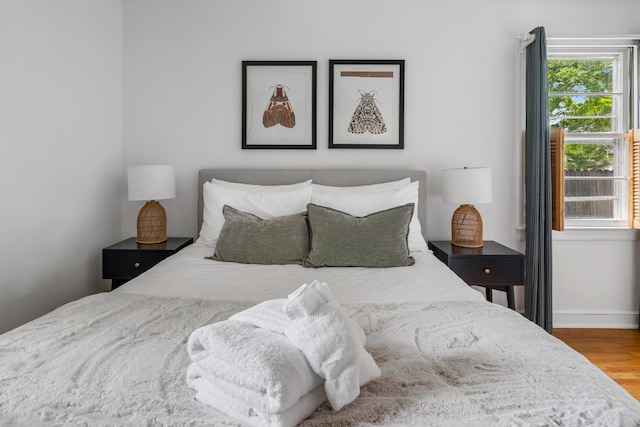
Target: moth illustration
(279,110)
(367,117)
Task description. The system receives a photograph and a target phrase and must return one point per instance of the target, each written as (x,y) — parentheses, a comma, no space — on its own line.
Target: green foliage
(581,86)
(578,102)
(588,156)
(566,75)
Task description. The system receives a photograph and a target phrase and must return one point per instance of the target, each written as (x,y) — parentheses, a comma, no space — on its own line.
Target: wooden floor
(614,351)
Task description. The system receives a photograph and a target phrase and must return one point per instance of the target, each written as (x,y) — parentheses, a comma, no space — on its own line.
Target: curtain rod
(525,40)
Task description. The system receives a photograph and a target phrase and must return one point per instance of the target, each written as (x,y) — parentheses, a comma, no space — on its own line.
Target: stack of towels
(275,363)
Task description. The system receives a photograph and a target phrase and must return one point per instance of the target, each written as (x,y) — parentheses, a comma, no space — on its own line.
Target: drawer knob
(487,271)
(136,265)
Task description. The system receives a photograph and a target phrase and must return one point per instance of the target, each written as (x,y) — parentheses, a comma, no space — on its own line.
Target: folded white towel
(260,367)
(268,315)
(210,394)
(333,345)
(307,299)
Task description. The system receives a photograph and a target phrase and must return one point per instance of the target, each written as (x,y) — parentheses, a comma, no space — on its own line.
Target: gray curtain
(537,301)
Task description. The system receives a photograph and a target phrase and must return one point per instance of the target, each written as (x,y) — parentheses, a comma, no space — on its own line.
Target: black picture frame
(366,103)
(279,104)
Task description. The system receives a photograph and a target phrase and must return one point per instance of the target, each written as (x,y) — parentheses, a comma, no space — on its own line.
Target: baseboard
(609,320)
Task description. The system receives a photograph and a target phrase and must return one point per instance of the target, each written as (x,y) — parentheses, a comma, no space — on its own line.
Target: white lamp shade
(151,182)
(466,186)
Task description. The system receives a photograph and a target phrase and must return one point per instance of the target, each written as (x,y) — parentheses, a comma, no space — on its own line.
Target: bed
(447,356)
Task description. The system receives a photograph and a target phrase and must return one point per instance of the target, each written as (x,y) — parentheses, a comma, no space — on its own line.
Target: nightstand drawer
(492,266)
(120,265)
(488,269)
(127,259)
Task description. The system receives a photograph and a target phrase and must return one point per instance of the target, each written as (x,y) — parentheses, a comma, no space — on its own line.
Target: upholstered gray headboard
(336,177)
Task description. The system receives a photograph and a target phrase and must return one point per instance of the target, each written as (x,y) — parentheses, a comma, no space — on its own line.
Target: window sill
(589,233)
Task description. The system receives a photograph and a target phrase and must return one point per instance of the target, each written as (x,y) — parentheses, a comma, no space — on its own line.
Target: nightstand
(127,259)
(493,266)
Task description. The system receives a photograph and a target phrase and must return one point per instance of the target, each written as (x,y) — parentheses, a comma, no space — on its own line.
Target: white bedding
(189,274)
(447,356)
(118,359)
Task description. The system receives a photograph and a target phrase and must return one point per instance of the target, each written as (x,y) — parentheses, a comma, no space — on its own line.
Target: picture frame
(366,103)
(279,104)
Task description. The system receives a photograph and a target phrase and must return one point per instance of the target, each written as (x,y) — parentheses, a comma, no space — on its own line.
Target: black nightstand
(127,259)
(493,266)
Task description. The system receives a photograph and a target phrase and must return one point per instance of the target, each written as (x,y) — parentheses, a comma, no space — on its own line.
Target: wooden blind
(556,137)
(634,187)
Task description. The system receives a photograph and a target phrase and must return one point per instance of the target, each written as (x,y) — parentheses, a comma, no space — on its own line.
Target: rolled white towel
(333,344)
(269,372)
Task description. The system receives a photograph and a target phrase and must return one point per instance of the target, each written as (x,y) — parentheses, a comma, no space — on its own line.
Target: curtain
(537,301)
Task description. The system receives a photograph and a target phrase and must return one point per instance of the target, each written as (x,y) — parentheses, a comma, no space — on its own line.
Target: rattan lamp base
(466,227)
(152,224)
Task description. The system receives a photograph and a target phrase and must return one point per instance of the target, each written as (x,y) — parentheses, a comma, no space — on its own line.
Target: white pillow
(385,186)
(365,203)
(266,205)
(260,188)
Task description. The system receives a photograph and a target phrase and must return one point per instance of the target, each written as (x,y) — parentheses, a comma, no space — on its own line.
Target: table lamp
(151,183)
(466,186)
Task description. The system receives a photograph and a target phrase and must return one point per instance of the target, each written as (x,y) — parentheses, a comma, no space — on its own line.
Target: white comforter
(120,359)
(189,274)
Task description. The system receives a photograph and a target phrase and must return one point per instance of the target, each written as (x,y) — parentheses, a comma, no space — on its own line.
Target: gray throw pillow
(248,239)
(342,240)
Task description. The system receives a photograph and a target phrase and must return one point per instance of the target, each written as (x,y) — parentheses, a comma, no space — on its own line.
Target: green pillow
(342,240)
(248,239)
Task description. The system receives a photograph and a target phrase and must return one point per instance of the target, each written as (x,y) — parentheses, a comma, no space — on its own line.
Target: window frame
(624,96)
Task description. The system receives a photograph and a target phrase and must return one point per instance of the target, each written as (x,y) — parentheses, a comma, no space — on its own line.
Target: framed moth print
(366,104)
(279,104)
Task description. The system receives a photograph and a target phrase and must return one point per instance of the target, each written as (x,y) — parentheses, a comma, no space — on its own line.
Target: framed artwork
(279,104)
(366,104)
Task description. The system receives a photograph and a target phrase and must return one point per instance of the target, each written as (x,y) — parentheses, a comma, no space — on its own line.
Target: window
(592,99)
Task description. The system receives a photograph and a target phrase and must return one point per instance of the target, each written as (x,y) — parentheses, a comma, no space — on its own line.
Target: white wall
(60,150)
(182,104)
(182,69)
